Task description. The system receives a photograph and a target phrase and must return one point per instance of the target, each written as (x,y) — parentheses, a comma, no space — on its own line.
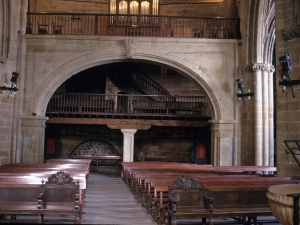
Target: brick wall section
(287,107)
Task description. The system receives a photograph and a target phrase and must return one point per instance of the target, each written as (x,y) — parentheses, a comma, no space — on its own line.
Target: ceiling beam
(127,123)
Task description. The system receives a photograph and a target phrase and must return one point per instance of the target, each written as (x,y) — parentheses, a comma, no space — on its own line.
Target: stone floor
(110,201)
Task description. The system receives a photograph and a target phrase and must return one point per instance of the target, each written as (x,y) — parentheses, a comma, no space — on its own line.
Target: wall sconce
(240,94)
(286,65)
(13,87)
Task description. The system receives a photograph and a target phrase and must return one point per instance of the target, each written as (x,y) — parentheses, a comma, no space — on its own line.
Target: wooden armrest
(208,203)
(40,200)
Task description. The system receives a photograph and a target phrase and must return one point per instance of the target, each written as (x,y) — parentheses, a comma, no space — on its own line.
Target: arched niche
(95,147)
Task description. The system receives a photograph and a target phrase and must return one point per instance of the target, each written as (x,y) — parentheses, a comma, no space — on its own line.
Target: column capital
(33,121)
(257,67)
(129,131)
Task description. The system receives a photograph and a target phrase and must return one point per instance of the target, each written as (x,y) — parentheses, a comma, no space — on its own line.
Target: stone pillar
(265,115)
(258,133)
(222,142)
(271,116)
(128,144)
(31,141)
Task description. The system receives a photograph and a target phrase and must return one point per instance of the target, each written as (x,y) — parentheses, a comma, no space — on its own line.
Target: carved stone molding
(260,67)
(129,45)
(187,181)
(293,33)
(60,178)
(255,67)
(272,69)
(95,147)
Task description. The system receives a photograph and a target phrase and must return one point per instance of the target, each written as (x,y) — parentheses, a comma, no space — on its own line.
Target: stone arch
(261,21)
(95,147)
(65,71)
(220,95)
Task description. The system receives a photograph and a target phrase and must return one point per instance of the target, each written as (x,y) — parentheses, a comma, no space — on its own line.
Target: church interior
(207,83)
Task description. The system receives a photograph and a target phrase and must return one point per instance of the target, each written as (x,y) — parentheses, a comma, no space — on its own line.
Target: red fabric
(201,150)
(50,146)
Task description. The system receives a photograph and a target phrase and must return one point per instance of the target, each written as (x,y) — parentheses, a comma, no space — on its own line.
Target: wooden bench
(187,199)
(152,204)
(19,199)
(149,182)
(59,195)
(29,173)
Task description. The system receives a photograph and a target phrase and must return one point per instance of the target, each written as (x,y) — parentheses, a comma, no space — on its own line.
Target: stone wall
(68,6)
(287,106)
(166,142)
(224,9)
(10,28)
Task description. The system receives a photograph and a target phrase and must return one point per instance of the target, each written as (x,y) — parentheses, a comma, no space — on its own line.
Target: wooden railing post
(169,26)
(129,104)
(96,25)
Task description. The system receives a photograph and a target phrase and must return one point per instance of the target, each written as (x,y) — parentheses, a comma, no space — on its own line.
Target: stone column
(128,144)
(222,142)
(271,116)
(31,142)
(258,133)
(265,114)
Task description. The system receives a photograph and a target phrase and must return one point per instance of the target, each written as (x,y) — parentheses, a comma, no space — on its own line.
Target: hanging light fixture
(13,87)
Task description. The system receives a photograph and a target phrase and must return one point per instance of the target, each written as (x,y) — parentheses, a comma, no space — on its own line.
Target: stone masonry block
(281,127)
(293,116)
(293,106)
(293,127)
(281,116)
(281,106)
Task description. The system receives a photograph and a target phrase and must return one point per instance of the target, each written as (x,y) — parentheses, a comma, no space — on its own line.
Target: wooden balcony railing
(132,25)
(127,105)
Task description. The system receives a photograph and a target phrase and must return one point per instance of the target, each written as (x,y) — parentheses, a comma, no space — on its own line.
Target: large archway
(164,141)
(212,68)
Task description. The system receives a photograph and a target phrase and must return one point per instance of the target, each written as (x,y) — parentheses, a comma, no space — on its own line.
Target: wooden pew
(151,202)
(158,174)
(19,199)
(59,195)
(29,173)
(227,199)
